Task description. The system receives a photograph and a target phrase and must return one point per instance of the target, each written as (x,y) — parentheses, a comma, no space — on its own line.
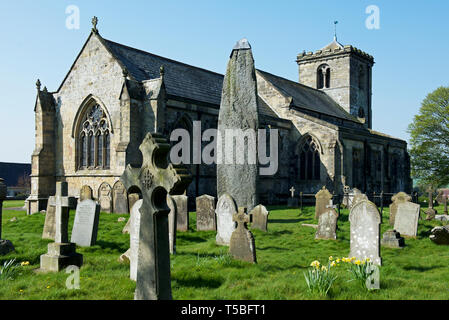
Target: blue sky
(410,48)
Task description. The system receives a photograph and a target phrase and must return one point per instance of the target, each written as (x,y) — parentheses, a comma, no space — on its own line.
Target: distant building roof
(11,172)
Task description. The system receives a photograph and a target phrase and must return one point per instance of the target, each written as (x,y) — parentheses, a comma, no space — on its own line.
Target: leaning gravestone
(365,230)
(105,197)
(322,202)
(440,235)
(134,238)
(182,212)
(205,213)
(172,226)
(119,198)
(6,246)
(226,208)
(239,111)
(327,225)
(86,193)
(260,218)
(392,239)
(85,226)
(407,216)
(50,223)
(398,198)
(155,178)
(242,245)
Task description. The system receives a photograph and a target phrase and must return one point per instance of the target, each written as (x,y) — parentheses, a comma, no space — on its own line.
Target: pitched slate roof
(307,98)
(181,80)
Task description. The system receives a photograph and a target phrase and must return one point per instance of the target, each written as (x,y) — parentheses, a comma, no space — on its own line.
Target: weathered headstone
(49,231)
(134,238)
(392,239)
(440,235)
(172,226)
(442,217)
(260,218)
(323,199)
(357,197)
(86,193)
(292,202)
(407,216)
(242,245)
(6,246)
(365,222)
(61,253)
(85,226)
(226,208)
(119,198)
(398,198)
(327,225)
(430,214)
(105,197)
(205,213)
(182,212)
(353,196)
(132,199)
(155,178)
(239,111)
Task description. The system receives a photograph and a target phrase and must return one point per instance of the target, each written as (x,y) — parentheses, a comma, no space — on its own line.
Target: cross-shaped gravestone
(292,190)
(242,245)
(155,178)
(62,213)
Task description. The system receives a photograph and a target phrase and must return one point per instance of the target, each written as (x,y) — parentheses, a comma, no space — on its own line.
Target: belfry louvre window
(323,77)
(94,140)
(309,161)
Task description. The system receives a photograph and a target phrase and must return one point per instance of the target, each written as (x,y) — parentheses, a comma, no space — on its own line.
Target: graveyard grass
(203,270)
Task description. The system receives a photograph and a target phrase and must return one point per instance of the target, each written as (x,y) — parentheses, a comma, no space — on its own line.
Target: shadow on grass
(189,238)
(279,233)
(111,245)
(422,269)
(275,248)
(286,220)
(200,282)
(426,232)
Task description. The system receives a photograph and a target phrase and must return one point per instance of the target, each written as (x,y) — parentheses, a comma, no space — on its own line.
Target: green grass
(203,270)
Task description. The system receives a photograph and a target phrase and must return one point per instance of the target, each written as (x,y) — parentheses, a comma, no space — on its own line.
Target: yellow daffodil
(333,264)
(25,263)
(315,264)
(368,260)
(323,268)
(338,260)
(358,262)
(331,258)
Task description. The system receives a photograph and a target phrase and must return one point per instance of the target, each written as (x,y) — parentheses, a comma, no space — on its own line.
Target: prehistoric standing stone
(85,226)
(365,230)
(86,193)
(327,225)
(260,218)
(120,198)
(323,201)
(242,245)
(105,197)
(407,216)
(61,253)
(239,110)
(440,235)
(205,213)
(155,178)
(392,239)
(226,208)
(172,226)
(49,231)
(398,198)
(6,246)
(182,212)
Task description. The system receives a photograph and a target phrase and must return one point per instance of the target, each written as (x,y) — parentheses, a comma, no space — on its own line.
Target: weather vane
(335,30)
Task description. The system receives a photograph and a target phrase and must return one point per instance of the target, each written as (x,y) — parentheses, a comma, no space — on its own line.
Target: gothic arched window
(94,140)
(323,77)
(309,161)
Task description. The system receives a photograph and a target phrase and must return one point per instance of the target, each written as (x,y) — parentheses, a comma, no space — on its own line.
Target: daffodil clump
(9,270)
(361,270)
(319,278)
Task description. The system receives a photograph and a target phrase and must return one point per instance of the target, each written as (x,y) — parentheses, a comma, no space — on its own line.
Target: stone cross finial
(241,217)
(62,212)
(292,190)
(162,71)
(94,24)
(38,85)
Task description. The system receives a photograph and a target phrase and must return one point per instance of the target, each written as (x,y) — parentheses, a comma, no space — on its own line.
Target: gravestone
(392,239)
(442,217)
(365,222)
(182,212)
(172,226)
(156,178)
(440,235)
(353,196)
(205,213)
(430,214)
(293,202)
(323,199)
(132,199)
(61,253)
(50,223)
(398,198)
(260,218)
(134,238)
(327,225)
(357,197)
(105,198)
(239,111)
(85,226)
(119,198)
(226,208)
(6,246)
(407,216)
(85,193)
(242,245)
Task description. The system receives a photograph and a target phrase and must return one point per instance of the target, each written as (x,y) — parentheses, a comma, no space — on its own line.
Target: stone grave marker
(119,198)
(293,202)
(407,216)
(132,199)
(85,226)
(86,193)
(242,245)
(105,197)
(172,226)
(260,218)
(134,238)
(398,198)
(6,246)
(440,235)
(155,178)
(49,231)
(205,213)
(226,208)
(392,239)
(323,199)
(365,222)
(327,225)
(182,212)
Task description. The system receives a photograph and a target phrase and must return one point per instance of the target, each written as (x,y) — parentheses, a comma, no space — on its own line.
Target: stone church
(90,129)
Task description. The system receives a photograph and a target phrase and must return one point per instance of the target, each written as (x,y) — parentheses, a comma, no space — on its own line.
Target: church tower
(344,73)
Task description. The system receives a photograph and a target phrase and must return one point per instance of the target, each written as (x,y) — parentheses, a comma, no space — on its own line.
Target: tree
(429,142)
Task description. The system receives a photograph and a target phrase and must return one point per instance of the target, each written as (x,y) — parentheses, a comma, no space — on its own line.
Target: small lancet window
(323,77)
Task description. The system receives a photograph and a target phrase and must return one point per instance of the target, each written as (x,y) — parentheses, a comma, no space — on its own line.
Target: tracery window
(323,77)
(309,161)
(94,140)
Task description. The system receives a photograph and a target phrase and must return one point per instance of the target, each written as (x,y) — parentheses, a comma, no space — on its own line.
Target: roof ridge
(158,56)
